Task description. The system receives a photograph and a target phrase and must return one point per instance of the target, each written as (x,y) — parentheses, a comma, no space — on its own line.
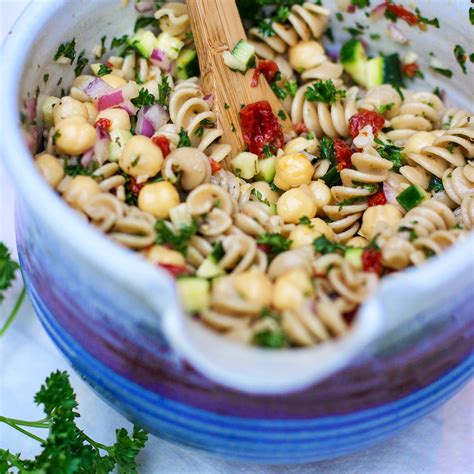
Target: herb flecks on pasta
(279,245)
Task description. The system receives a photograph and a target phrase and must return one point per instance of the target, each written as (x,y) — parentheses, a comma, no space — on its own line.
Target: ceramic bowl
(118,322)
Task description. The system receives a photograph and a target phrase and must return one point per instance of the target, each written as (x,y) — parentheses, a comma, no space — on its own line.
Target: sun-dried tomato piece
(163,143)
(365,117)
(343,154)
(372,261)
(266,67)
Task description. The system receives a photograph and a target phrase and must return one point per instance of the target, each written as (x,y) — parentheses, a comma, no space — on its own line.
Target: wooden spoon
(217,27)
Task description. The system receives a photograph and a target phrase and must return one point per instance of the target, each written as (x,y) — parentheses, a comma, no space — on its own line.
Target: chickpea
(305,234)
(118,117)
(320,192)
(418,141)
(254,287)
(358,242)
(114,81)
(80,190)
(74,136)
(50,168)
(306,55)
(299,144)
(158,199)
(377,218)
(158,254)
(291,289)
(295,204)
(69,107)
(292,171)
(91,112)
(141,157)
(266,191)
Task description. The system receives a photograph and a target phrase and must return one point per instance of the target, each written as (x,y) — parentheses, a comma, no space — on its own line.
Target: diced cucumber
(232,62)
(411,197)
(187,64)
(209,269)
(144,41)
(354,60)
(384,70)
(170,45)
(245,53)
(267,168)
(245,165)
(118,140)
(48,108)
(354,256)
(194,293)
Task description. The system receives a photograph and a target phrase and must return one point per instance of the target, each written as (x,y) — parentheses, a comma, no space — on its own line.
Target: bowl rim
(89,244)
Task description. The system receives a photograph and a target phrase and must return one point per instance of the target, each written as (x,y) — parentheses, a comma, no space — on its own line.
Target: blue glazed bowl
(117,321)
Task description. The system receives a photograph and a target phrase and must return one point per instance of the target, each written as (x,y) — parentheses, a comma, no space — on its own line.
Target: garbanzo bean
(158,199)
(299,144)
(80,190)
(377,218)
(291,289)
(292,171)
(305,55)
(119,118)
(74,136)
(69,107)
(295,204)
(114,81)
(141,158)
(254,287)
(320,192)
(304,234)
(50,168)
(264,191)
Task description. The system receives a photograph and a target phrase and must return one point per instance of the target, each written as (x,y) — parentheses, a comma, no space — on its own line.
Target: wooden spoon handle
(217,27)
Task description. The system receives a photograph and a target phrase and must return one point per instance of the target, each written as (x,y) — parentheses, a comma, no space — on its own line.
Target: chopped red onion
(378,11)
(209,98)
(32,138)
(97,88)
(87,158)
(157,116)
(31,109)
(129,107)
(144,127)
(396,34)
(109,100)
(144,6)
(390,194)
(159,58)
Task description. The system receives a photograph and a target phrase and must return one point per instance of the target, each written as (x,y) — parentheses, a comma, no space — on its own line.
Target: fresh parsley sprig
(324,91)
(67,449)
(177,239)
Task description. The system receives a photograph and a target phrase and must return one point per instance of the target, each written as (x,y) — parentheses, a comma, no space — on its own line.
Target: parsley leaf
(291,87)
(326,150)
(384,107)
(270,339)
(145,98)
(266,29)
(103,70)
(436,184)
(81,63)
(324,91)
(392,153)
(117,42)
(276,243)
(66,50)
(8,268)
(471,15)
(305,220)
(324,246)
(360,3)
(444,72)
(164,90)
(461,57)
(178,239)
(183,138)
(143,22)
(421,19)
(217,252)
(259,196)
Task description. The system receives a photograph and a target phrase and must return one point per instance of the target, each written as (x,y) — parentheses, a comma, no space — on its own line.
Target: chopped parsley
(384,107)
(81,63)
(339,16)
(326,149)
(471,15)
(360,3)
(461,57)
(276,243)
(143,22)
(267,151)
(282,114)
(324,246)
(444,72)
(66,50)
(56,135)
(46,78)
(164,90)
(392,153)
(436,184)
(117,42)
(76,169)
(145,98)
(177,239)
(305,220)
(270,339)
(421,19)
(259,196)
(183,138)
(375,36)
(437,91)
(8,268)
(324,91)
(291,87)
(217,252)
(282,14)
(412,235)
(226,106)
(266,29)
(103,70)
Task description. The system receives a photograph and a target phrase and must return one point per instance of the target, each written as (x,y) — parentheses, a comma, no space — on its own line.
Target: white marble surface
(441,443)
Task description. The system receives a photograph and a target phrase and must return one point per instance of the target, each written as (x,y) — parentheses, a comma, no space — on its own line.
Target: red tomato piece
(174,270)
(163,143)
(372,261)
(266,67)
(402,13)
(351,9)
(104,124)
(300,128)
(135,187)
(260,127)
(410,70)
(343,154)
(215,166)
(365,117)
(377,199)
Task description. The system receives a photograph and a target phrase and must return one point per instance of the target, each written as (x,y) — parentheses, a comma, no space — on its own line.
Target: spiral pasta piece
(381,96)
(173,18)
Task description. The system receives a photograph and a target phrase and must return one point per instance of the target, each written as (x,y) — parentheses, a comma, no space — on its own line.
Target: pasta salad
(279,244)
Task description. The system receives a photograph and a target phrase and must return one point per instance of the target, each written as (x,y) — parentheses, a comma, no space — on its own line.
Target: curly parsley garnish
(145,98)
(461,57)
(178,239)
(392,153)
(67,50)
(275,243)
(324,91)
(164,90)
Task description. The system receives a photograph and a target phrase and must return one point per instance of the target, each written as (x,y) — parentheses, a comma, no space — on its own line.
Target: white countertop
(441,443)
